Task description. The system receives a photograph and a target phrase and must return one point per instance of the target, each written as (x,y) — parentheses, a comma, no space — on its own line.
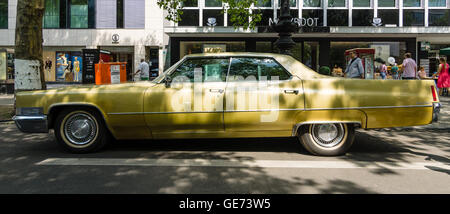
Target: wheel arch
(55,109)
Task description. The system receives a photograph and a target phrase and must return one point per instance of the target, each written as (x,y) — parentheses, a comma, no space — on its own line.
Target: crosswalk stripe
(341,164)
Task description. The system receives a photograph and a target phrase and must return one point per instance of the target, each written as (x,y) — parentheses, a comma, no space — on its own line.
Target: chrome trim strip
(268,110)
(22,117)
(31,124)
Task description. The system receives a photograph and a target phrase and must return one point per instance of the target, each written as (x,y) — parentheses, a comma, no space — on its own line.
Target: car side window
(202,69)
(260,69)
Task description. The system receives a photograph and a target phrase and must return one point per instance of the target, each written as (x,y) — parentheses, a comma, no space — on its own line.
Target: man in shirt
(143,70)
(355,68)
(409,68)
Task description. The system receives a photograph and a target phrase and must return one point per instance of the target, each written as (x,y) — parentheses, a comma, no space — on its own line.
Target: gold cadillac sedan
(229,95)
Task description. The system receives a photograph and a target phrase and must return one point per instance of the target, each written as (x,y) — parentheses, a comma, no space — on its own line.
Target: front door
(192,104)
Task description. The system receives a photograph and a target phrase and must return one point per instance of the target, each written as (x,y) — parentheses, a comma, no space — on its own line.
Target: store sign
(212,22)
(115,74)
(377,22)
(425,46)
(90,58)
(303,22)
(115,38)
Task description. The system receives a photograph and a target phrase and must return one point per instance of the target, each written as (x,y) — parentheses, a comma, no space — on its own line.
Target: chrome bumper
(436,110)
(32,124)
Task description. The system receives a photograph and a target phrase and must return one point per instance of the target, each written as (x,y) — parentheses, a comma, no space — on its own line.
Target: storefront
(313,52)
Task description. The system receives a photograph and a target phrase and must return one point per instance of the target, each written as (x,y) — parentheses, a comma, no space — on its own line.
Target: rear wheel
(80,130)
(328,139)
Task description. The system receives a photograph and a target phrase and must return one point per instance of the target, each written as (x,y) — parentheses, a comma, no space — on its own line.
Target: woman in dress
(444,76)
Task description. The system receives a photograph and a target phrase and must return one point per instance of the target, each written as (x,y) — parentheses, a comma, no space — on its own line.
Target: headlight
(30,111)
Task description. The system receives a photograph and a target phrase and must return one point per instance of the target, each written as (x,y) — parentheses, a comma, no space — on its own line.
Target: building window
(213,3)
(361,3)
(292,3)
(189,18)
(389,16)
(3,14)
(312,3)
(411,3)
(337,17)
(387,3)
(292,12)
(119,19)
(189,3)
(266,15)
(314,14)
(263,3)
(79,14)
(437,3)
(336,3)
(413,17)
(51,14)
(439,18)
(362,17)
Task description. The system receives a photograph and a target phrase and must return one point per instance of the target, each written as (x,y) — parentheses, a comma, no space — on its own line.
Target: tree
(29,74)
(238,11)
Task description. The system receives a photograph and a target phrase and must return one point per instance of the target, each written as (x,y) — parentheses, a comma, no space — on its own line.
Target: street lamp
(285,27)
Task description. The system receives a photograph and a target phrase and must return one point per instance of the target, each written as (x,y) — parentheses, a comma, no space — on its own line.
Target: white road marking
(246,164)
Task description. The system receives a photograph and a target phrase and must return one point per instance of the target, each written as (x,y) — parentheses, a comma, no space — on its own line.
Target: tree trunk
(29,68)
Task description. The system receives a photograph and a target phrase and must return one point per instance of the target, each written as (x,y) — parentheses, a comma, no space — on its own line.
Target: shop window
(314,14)
(311,55)
(337,17)
(411,3)
(189,3)
(361,3)
(439,18)
(437,3)
(264,47)
(312,3)
(292,3)
(213,70)
(189,18)
(413,17)
(336,3)
(213,3)
(78,14)
(386,3)
(362,17)
(256,68)
(212,18)
(3,14)
(266,15)
(388,16)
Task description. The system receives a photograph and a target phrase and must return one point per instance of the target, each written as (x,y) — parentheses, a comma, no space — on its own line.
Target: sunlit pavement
(397,160)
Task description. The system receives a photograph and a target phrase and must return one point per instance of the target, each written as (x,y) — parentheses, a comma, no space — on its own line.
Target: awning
(444,51)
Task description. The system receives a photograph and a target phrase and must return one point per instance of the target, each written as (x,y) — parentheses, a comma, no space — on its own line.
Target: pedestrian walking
(383,70)
(354,68)
(444,76)
(143,71)
(409,68)
(394,72)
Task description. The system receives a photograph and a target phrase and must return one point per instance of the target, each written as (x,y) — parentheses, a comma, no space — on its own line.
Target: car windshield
(160,77)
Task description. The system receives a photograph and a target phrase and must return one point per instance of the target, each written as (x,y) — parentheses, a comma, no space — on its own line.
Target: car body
(215,96)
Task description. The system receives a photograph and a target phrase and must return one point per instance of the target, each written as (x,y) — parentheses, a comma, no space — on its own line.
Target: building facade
(129,30)
(125,31)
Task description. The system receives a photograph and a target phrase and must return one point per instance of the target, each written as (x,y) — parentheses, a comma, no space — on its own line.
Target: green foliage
(325,70)
(238,11)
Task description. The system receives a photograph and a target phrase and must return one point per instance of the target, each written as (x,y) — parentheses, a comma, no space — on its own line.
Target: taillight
(433,91)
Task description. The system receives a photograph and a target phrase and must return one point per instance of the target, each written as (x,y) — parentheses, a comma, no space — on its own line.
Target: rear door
(261,96)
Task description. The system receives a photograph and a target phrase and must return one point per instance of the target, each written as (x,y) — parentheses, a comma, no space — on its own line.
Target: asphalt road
(401,160)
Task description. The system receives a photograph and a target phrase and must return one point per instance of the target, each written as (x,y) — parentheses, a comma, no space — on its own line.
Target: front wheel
(80,131)
(328,139)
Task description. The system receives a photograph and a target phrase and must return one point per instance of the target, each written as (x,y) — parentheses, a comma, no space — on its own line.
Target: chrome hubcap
(80,129)
(328,135)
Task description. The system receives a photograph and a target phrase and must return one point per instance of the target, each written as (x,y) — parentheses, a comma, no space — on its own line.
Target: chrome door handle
(291,91)
(216,90)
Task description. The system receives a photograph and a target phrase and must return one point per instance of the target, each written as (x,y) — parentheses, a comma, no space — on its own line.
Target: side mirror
(167,81)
